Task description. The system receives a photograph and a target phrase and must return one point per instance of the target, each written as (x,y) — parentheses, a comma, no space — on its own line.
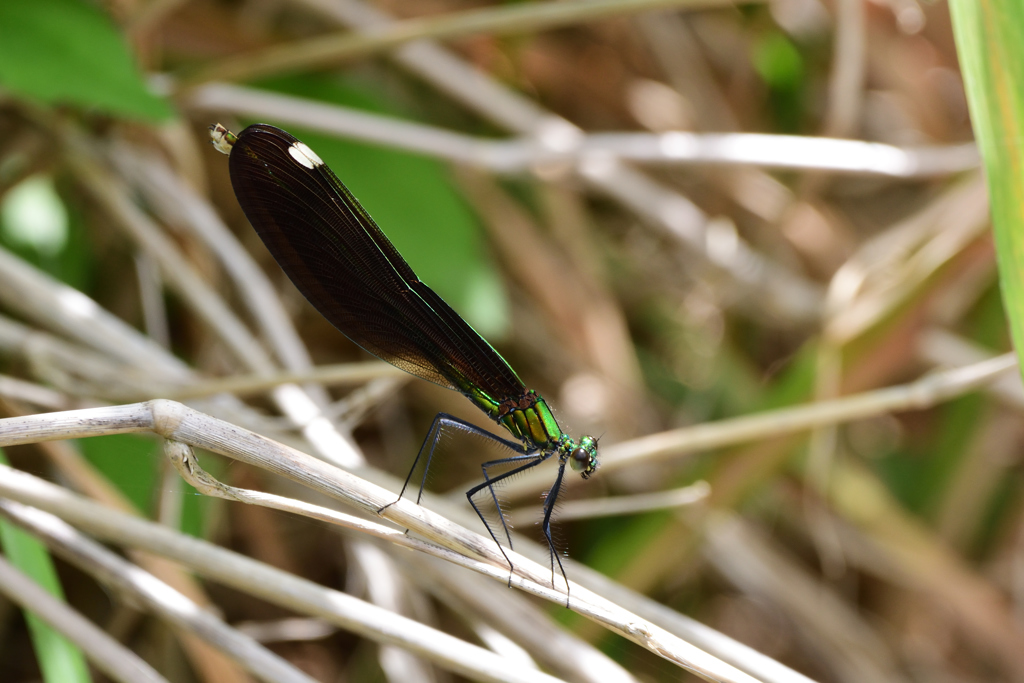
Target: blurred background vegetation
(577,185)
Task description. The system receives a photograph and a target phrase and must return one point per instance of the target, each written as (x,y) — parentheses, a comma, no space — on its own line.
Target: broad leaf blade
(59,660)
(68,51)
(990,44)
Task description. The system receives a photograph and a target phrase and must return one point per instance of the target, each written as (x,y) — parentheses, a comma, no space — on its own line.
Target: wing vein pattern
(347,268)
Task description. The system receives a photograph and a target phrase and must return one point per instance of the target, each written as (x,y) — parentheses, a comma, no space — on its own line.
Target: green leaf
(59,660)
(68,51)
(130,462)
(33,216)
(415,204)
(990,44)
(778,62)
(919,473)
(44,230)
(133,464)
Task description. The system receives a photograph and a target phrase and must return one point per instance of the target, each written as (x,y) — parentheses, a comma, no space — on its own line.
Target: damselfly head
(222,139)
(583,457)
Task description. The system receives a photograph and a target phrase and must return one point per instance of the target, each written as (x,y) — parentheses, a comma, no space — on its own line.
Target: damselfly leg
(521,462)
(532,460)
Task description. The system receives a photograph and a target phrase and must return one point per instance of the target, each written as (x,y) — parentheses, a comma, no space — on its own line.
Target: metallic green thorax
(529,419)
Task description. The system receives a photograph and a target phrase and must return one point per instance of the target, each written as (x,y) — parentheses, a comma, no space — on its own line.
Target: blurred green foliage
(780,64)
(919,473)
(40,227)
(129,461)
(68,51)
(134,465)
(59,660)
(990,45)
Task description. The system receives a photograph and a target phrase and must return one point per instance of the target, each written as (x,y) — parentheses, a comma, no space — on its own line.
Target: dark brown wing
(348,269)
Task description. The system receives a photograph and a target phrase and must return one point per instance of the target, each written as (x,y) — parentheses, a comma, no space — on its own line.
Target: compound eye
(579,459)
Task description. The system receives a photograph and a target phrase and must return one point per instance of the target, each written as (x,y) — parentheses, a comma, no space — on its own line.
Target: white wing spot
(301,152)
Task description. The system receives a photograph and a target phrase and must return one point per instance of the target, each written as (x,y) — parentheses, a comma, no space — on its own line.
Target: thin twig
(143,588)
(106,654)
(39,297)
(333,48)
(756,567)
(177,271)
(178,204)
(245,385)
(791,152)
(846,85)
(945,349)
(562,652)
(266,582)
(928,563)
(206,302)
(177,422)
(918,395)
(72,368)
(619,505)
(767,287)
(888,269)
(35,394)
